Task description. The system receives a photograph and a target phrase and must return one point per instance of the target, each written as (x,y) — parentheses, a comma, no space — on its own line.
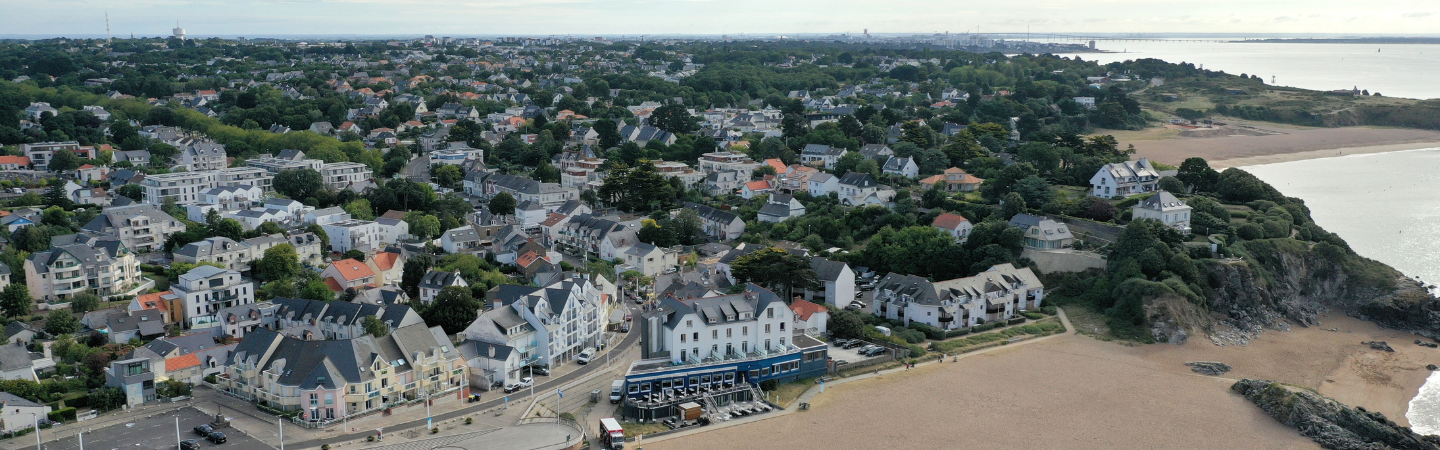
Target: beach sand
(1292,144)
(1076,392)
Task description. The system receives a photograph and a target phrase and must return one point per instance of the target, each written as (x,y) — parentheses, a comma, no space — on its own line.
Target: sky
(79,18)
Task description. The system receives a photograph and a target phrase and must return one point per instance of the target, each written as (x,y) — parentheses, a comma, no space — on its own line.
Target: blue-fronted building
(716,351)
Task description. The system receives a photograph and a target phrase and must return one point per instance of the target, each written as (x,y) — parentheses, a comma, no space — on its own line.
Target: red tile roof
(804,309)
(333,285)
(949,221)
(758,185)
(181,362)
(386,260)
(352,270)
(21,160)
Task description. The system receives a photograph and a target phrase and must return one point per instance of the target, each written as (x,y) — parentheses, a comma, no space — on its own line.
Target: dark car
(625,328)
(189,444)
(854,343)
(216,437)
(540,370)
(204,430)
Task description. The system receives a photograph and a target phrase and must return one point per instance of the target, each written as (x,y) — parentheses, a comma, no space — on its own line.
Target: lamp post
(36,419)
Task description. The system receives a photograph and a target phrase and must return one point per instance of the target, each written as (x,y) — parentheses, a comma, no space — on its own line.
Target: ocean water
(1387,207)
(1394,70)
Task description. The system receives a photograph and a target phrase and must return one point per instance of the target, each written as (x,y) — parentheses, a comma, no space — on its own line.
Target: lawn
(788,392)
(633,429)
(1088,322)
(1042,327)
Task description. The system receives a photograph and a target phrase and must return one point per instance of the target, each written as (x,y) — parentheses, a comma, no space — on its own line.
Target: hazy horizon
(86,18)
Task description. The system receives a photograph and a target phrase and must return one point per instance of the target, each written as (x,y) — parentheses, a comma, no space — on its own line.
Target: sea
(1393,70)
(1387,207)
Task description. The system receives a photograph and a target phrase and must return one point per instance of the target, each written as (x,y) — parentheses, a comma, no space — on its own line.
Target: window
(767,328)
(745,331)
(754,374)
(314,399)
(689,324)
(770,313)
(695,337)
(744,347)
(782,342)
(729,332)
(635,388)
(782,326)
(767,344)
(714,334)
(682,338)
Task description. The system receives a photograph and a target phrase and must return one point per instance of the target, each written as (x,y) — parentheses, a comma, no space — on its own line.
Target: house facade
(1124,179)
(1164,207)
(995,294)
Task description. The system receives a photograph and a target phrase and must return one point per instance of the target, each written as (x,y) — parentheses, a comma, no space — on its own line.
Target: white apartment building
(350,234)
(245,176)
(343,174)
(995,294)
(728,326)
(207,289)
(546,325)
(722,161)
(184,187)
(142,227)
(77,263)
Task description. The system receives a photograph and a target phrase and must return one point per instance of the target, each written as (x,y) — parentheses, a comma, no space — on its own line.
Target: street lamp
(36,419)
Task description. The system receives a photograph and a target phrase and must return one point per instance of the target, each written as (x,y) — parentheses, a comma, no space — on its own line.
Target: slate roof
(827,270)
(435,279)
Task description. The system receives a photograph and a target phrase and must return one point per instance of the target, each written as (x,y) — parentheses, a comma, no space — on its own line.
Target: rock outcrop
(1211,368)
(1331,424)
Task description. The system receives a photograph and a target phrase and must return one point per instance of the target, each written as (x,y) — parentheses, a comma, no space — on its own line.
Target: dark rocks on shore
(1426,344)
(1329,423)
(1379,345)
(1211,368)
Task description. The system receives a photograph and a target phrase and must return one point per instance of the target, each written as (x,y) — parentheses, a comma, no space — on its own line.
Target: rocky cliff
(1330,423)
(1281,281)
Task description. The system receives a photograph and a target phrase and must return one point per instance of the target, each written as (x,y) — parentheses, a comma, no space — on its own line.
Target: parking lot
(848,354)
(156,433)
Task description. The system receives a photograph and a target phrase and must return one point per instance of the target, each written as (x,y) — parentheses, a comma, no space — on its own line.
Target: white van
(585,356)
(617,391)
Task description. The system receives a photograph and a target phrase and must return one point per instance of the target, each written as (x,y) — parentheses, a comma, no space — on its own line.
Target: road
(418,169)
(625,343)
(154,433)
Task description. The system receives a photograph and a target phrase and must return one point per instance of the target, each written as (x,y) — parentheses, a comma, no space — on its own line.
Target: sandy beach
(1076,392)
(1289,144)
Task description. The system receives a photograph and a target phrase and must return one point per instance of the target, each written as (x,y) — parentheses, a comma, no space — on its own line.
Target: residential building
(601,236)
(810,317)
(901,167)
(718,224)
(134,377)
(649,259)
(314,320)
(780,207)
(203,156)
(206,289)
(14,162)
(822,184)
(1042,233)
(76,263)
(1124,179)
(141,228)
(17,413)
(123,325)
(348,274)
(859,189)
(1164,207)
(353,234)
(877,152)
(821,155)
(435,281)
(551,195)
(184,187)
(727,161)
(42,153)
(545,325)
(332,380)
(955,180)
(15,362)
(954,225)
(245,177)
(998,293)
(343,175)
(326,216)
(837,283)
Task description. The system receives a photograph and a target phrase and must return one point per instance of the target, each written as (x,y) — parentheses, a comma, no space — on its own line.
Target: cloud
(1417,14)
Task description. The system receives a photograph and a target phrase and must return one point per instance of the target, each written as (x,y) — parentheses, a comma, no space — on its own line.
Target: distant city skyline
(582,18)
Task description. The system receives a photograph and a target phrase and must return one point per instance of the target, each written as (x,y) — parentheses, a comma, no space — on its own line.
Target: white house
(1124,179)
(954,225)
(648,259)
(810,317)
(995,294)
(726,326)
(902,166)
(17,413)
(1165,208)
(360,235)
(780,207)
(821,155)
(206,289)
(436,281)
(822,184)
(837,283)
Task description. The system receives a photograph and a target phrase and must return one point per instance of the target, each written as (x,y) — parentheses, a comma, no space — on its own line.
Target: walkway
(815,390)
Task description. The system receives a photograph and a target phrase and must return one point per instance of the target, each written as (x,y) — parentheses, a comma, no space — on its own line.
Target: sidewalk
(815,390)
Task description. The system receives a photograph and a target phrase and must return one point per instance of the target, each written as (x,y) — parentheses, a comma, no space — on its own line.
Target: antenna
(107,27)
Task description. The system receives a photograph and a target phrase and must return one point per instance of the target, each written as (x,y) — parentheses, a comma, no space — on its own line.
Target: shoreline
(1320,154)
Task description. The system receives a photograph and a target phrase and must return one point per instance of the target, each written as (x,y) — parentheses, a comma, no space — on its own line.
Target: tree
(546,173)
(360,209)
(299,183)
(65,161)
(846,324)
(1013,204)
(774,269)
(1035,190)
(1196,173)
(320,232)
(609,133)
(84,302)
(132,191)
(673,118)
(1172,184)
(279,262)
(108,398)
(848,162)
(15,300)
(61,321)
(414,271)
(317,290)
(229,228)
(689,228)
(57,196)
(423,226)
(448,175)
(375,327)
(268,228)
(453,310)
(503,204)
(355,254)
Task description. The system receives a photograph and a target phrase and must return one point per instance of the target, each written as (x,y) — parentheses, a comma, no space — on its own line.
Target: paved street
(418,169)
(154,433)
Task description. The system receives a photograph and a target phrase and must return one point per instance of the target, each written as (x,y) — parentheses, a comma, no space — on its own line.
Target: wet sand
(1076,392)
(1292,144)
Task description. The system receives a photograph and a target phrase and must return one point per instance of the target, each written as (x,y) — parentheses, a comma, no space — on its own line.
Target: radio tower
(107,27)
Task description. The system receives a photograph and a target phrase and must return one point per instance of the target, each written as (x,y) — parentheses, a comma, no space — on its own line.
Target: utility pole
(177,431)
(37,431)
(81,435)
(281,424)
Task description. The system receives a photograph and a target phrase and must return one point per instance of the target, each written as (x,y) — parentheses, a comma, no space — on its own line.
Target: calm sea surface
(1395,70)
(1387,206)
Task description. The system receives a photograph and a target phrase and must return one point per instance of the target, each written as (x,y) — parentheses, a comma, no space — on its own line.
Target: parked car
(876,351)
(840,342)
(841,362)
(216,437)
(852,307)
(522,384)
(858,303)
(204,430)
(189,444)
(540,370)
(868,287)
(625,328)
(854,343)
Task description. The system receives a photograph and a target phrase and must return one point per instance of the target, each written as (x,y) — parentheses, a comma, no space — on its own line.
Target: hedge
(957,333)
(1016,321)
(1049,310)
(63,415)
(1032,315)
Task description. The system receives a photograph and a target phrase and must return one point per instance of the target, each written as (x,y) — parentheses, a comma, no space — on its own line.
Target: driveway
(418,169)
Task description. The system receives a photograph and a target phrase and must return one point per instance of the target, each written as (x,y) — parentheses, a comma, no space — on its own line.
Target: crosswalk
(433,443)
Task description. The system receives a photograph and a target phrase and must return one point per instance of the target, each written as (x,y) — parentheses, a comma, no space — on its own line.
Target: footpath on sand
(816,390)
